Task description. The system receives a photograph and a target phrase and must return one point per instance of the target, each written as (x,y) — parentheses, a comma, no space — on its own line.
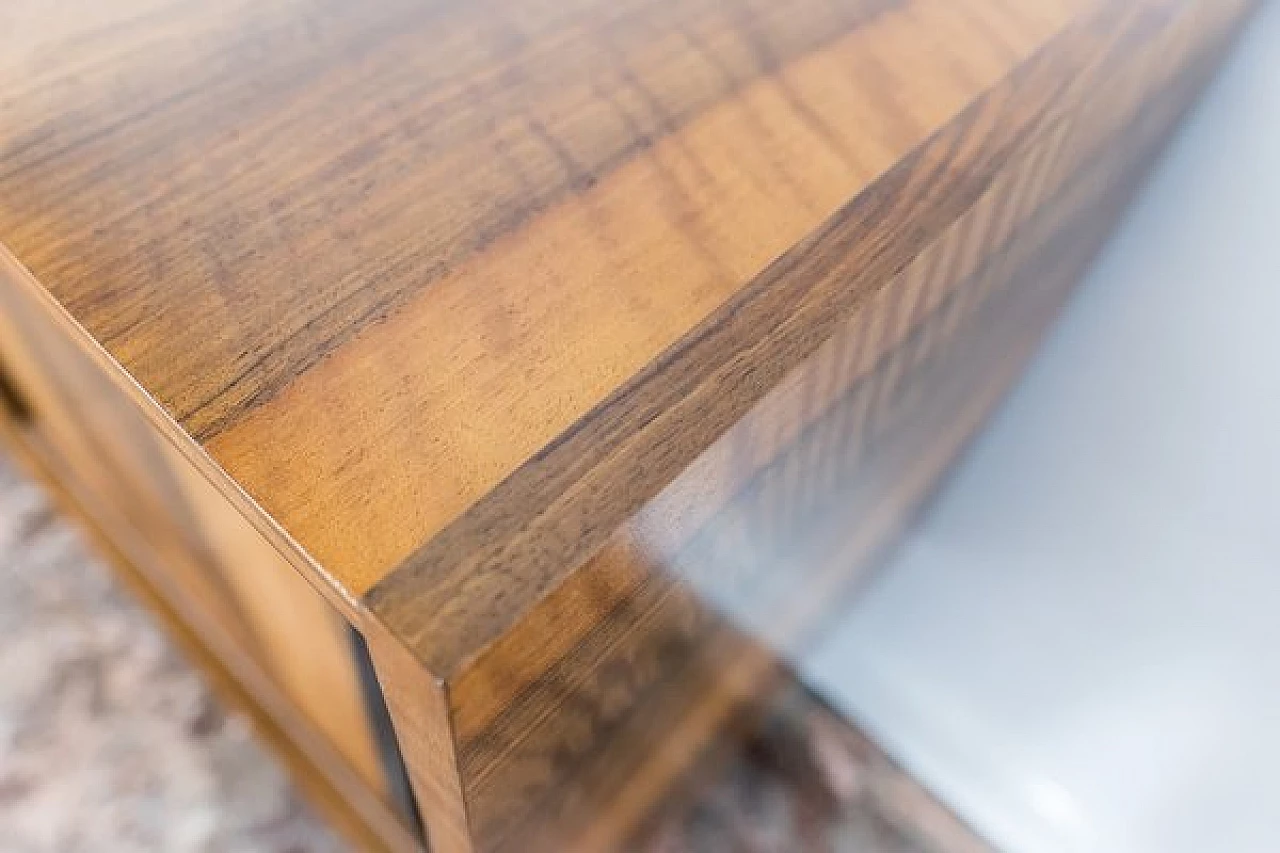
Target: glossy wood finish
(556,194)
(782,555)
(580,354)
(567,699)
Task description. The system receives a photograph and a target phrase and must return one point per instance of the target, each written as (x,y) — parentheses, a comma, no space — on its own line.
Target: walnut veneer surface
(577,353)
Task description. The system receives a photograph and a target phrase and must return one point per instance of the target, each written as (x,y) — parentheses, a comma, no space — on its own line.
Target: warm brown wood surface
(571,708)
(377,257)
(500,322)
(558,509)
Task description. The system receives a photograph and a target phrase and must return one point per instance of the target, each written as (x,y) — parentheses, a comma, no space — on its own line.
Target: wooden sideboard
(491,396)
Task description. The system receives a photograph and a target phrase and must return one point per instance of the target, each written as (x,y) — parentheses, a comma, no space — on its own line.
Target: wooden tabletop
(438,285)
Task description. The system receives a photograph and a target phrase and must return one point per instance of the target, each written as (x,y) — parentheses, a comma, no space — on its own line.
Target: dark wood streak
(383,259)
(646,647)
(463,588)
(492,79)
(790,487)
(572,765)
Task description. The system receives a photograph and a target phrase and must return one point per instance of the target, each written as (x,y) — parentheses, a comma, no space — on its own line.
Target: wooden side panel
(238,593)
(89,433)
(242,685)
(300,638)
(606,548)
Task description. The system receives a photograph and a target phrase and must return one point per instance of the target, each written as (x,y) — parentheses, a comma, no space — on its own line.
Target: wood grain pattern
(558,508)
(536,336)
(685,124)
(784,554)
(532,710)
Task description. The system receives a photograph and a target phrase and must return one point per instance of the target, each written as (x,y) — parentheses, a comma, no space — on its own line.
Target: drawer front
(212,565)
